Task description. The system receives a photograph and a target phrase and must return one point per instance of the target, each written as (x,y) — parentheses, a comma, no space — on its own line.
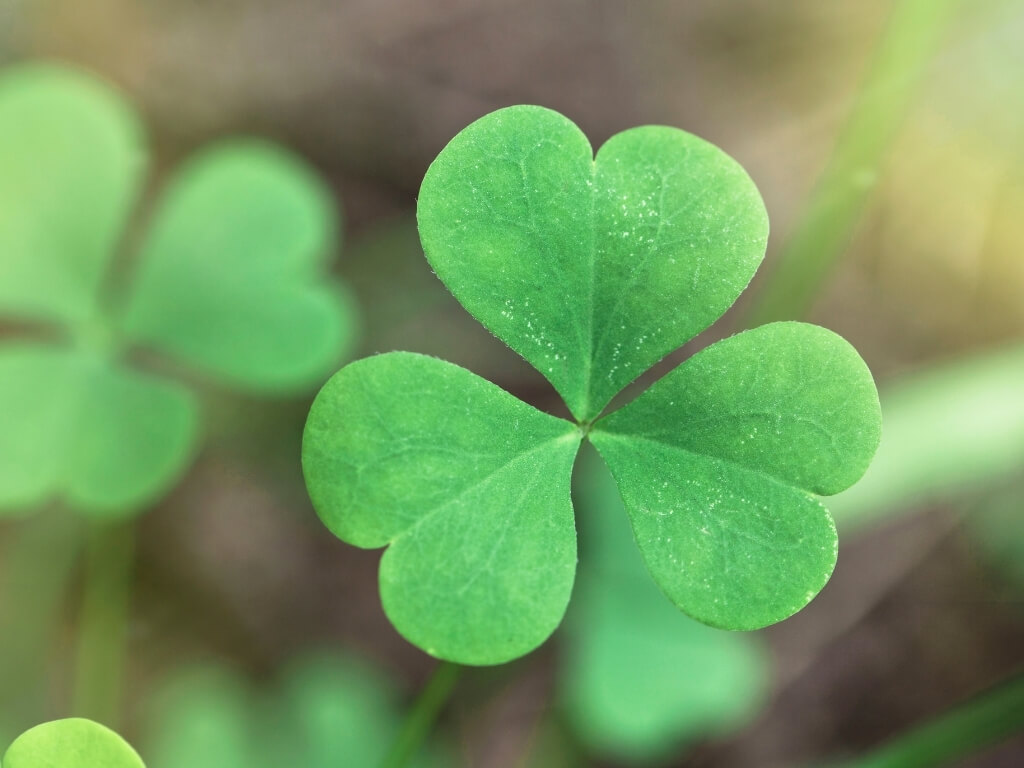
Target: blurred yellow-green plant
(229,279)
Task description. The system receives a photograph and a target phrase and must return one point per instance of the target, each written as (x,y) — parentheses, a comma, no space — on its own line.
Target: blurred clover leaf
(326,706)
(71,743)
(230,280)
(640,679)
(592,269)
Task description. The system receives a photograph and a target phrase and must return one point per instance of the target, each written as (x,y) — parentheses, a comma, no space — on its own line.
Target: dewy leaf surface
(719,461)
(591,269)
(232,277)
(106,438)
(470,488)
(71,157)
(71,743)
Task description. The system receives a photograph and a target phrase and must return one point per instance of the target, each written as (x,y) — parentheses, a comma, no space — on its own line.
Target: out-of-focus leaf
(202,721)
(71,743)
(232,277)
(103,437)
(948,430)
(327,709)
(341,708)
(641,679)
(71,158)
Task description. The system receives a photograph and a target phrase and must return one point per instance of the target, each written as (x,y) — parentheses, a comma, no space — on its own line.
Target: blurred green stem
(38,563)
(821,233)
(421,718)
(102,629)
(980,722)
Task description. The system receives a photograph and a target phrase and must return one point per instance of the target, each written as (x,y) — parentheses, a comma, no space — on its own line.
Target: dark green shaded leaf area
(230,280)
(640,679)
(71,743)
(592,269)
(324,708)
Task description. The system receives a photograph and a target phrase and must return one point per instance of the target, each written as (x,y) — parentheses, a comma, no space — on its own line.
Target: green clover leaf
(592,269)
(718,463)
(71,743)
(229,280)
(433,459)
(324,707)
(230,275)
(72,157)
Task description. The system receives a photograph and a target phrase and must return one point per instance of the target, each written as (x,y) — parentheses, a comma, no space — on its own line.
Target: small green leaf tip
(593,269)
(71,743)
(231,280)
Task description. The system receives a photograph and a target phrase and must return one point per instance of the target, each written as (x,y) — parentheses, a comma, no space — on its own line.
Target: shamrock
(592,268)
(229,280)
(71,743)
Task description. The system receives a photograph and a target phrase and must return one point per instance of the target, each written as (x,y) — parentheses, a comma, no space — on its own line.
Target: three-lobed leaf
(230,280)
(592,269)
(71,743)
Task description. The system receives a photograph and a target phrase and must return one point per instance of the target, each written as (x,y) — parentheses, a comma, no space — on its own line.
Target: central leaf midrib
(588,360)
(430,513)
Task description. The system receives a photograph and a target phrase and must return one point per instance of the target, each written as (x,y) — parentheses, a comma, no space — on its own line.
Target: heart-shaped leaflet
(593,269)
(231,276)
